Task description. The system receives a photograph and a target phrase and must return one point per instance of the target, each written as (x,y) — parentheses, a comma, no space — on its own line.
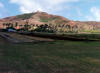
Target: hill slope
(40,18)
(35,18)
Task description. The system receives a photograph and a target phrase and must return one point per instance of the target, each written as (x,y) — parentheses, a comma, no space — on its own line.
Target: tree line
(42,28)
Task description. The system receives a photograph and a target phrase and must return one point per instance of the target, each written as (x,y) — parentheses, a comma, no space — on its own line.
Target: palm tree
(16,24)
(26,26)
(4,25)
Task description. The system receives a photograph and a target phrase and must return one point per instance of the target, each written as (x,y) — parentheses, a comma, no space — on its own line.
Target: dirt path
(10,39)
(18,38)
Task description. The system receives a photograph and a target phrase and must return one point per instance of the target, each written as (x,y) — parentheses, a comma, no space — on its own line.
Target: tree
(26,26)
(44,28)
(16,24)
(4,25)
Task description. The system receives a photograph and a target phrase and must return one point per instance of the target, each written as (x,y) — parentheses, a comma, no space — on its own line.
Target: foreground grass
(53,57)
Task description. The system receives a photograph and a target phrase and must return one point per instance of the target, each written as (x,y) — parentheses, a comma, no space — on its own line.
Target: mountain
(34,18)
(40,18)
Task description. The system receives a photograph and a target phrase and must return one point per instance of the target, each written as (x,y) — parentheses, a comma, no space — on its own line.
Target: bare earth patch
(18,38)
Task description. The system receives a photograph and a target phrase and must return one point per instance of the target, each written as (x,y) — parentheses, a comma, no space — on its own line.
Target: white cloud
(27,6)
(90,18)
(1,5)
(59,1)
(95,14)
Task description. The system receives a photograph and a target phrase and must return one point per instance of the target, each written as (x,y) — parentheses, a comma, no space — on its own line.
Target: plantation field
(50,57)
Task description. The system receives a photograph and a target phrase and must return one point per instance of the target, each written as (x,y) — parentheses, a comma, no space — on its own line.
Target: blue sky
(82,10)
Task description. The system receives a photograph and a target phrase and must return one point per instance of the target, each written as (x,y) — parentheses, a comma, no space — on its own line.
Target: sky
(78,10)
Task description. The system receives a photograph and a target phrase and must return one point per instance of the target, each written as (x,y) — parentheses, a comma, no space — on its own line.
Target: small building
(11,30)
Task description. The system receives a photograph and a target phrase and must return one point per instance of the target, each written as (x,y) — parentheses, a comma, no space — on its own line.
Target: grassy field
(93,31)
(52,57)
(67,36)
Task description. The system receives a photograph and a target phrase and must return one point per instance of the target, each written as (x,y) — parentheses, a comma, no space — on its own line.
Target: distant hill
(40,18)
(35,18)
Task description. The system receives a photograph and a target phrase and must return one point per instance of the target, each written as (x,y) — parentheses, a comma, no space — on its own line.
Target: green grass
(92,31)
(54,57)
(25,16)
(43,19)
(78,36)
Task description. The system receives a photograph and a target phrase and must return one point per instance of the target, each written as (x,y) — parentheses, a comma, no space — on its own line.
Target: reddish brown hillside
(45,18)
(34,18)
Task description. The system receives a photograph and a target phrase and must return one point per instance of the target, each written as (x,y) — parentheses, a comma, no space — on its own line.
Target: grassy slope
(54,57)
(25,16)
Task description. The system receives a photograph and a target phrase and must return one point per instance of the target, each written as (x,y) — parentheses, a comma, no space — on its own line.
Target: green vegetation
(53,57)
(44,19)
(25,16)
(69,36)
(92,31)
(44,28)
